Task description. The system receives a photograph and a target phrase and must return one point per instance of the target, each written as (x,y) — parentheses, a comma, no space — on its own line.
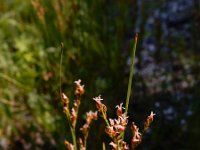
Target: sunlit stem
(131,74)
(103,146)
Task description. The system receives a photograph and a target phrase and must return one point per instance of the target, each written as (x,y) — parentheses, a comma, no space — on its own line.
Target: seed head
(137,138)
(79,88)
(120,109)
(100,106)
(149,120)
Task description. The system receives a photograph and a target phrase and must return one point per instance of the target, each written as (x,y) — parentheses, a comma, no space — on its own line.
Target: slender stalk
(61,59)
(131,74)
(73,137)
(104,147)
(85,140)
(73,133)
(105,118)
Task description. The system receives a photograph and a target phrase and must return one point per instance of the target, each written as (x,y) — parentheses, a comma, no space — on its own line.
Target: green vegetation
(97,38)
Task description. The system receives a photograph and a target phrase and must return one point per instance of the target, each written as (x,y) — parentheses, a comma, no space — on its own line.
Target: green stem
(73,137)
(73,133)
(85,140)
(103,145)
(131,74)
(61,59)
(130,77)
(106,120)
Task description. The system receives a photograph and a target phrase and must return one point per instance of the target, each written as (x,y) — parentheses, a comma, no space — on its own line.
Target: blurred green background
(98,37)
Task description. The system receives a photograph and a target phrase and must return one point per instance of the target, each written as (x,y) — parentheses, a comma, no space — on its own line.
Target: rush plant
(115,128)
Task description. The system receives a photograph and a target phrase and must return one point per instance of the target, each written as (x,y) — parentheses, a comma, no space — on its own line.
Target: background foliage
(97,36)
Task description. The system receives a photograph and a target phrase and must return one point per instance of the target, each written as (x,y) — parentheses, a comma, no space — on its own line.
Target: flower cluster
(72,117)
(89,117)
(116,127)
(65,102)
(79,89)
(100,106)
(149,121)
(137,137)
